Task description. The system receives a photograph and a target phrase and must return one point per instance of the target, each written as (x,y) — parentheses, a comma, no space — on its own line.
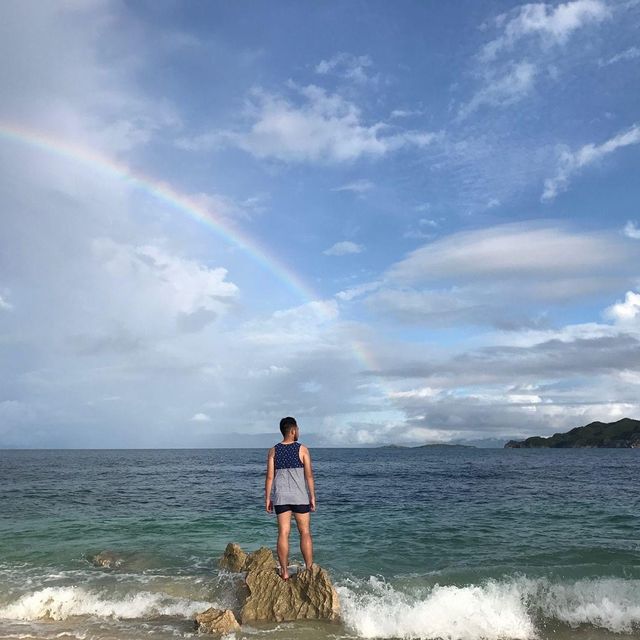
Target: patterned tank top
(289,484)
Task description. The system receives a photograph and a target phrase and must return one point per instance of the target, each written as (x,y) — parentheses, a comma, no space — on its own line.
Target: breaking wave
(511,608)
(60,603)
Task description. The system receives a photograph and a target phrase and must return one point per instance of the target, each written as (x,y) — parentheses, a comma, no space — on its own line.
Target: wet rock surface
(217,621)
(306,595)
(106,559)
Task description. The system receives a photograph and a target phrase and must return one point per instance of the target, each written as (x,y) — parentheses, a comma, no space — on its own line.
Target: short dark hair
(287,425)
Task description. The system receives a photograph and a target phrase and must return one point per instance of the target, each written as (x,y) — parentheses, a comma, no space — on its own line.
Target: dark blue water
(432,542)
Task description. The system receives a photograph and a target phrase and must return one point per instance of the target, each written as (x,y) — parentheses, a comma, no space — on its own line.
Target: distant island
(427,446)
(623,434)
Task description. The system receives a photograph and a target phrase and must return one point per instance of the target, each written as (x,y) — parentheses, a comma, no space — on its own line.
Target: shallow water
(422,543)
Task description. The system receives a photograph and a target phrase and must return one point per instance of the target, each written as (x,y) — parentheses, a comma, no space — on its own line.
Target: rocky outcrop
(106,559)
(217,621)
(233,558)
(236,560)
(266,597)
(308,594)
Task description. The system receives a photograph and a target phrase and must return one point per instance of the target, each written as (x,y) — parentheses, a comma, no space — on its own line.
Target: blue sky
(452,186)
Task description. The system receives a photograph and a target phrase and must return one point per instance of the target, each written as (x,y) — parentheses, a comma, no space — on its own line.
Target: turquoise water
(421,543)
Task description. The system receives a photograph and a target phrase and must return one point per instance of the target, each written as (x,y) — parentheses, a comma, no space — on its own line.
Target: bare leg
(284,527)
(303,520)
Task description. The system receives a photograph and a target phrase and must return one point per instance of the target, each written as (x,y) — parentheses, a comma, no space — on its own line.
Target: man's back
(289,485)
(289,488)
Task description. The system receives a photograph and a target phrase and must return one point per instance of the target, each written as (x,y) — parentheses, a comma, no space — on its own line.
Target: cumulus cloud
(343,248)
(489,390)
(625,312)
(631,230)
(319,127)
(552,23)
(188,292)
(572,162)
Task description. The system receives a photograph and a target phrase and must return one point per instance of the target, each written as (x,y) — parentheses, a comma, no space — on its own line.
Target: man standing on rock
(289,488)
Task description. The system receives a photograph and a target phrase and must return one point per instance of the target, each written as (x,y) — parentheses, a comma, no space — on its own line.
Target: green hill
(624,433)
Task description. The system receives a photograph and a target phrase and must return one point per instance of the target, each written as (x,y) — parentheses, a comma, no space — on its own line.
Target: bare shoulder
(271,453)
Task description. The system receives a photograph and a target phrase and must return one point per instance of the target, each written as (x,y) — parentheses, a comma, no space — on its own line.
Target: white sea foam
(463,613)
(610,603)
(495,609)
(60,603)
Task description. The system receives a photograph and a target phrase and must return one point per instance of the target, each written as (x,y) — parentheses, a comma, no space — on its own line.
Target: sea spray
(60,603)
(514,607)
(491,611)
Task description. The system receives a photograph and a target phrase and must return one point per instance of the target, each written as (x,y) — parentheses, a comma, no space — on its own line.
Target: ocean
(458,543)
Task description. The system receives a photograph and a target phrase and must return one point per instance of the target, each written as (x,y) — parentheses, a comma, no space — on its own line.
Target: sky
(407,222)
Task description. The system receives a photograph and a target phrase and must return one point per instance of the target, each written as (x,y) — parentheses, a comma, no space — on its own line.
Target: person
(289,488)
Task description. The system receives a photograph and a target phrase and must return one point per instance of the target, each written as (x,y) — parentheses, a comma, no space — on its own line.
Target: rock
(233,558)
(106,559)
(217,621)
(308,594)
(305,595)
(260,560)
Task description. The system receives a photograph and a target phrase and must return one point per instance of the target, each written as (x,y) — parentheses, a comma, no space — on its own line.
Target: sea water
(456,543)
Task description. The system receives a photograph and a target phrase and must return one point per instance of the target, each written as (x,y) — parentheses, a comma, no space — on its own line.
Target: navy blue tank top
(289,484)
(288,456)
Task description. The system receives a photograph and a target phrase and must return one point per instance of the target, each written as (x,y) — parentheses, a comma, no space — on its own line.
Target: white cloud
(631,230)
(503,90)
(356,292)
(347,66)
(422,392)
(499,276)
(405,113)
(572,162)
(357,186)
(223,206)
(200,417)
(5,305)
(299,325)
(514,250)
(76,94)
(628,54)
(271,370)
(627,311)
(429,306)
(343,248)
(180,290)
(320,127)
(553,23)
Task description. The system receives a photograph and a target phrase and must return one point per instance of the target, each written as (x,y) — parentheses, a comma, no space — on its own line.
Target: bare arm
(308,475)
(268,482)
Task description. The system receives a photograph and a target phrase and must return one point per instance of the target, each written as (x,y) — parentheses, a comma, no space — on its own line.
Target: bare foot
(284,573)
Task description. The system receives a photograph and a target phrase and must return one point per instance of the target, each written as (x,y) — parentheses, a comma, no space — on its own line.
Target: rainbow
(180,202)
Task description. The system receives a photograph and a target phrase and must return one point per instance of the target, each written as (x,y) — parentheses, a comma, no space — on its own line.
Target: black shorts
(296,508)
